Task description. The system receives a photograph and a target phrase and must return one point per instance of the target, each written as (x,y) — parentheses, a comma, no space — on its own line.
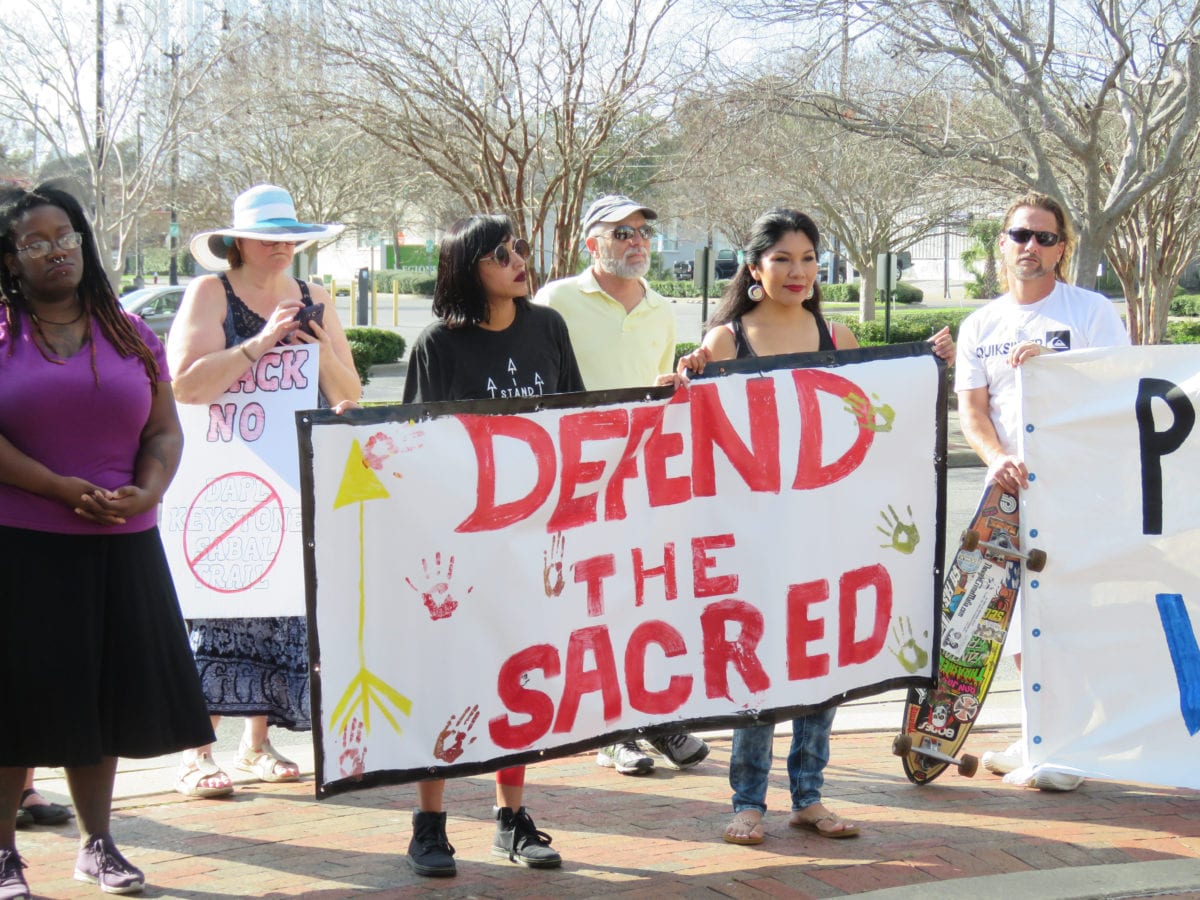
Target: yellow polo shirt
(614,349)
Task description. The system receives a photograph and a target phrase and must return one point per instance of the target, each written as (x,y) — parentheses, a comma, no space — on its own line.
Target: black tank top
(745,351)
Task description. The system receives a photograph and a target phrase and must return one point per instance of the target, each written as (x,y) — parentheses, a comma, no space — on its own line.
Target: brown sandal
(832,830)
(753,836)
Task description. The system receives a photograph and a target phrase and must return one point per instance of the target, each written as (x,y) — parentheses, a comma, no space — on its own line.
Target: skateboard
(976,609)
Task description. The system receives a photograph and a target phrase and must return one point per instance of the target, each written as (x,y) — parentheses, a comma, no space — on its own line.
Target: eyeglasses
(38,249)
(1044,238)
(626,232)
(503,256)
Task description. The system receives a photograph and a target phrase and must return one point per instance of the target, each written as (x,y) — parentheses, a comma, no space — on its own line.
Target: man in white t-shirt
(1041,313)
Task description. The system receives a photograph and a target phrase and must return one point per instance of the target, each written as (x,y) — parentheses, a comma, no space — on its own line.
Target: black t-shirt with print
(530,358)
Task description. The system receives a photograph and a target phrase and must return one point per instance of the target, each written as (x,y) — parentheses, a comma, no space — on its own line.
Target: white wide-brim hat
(264,213)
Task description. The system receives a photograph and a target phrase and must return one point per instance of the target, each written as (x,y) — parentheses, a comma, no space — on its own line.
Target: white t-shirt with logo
(1068,318)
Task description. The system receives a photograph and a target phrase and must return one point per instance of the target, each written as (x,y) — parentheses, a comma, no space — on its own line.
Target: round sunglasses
(503,256)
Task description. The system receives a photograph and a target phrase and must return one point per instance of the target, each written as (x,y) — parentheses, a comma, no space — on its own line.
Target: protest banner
(231,518)
(1111,672)
(492,583)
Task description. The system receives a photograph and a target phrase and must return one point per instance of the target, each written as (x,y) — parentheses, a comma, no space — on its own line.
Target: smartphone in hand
(314,312)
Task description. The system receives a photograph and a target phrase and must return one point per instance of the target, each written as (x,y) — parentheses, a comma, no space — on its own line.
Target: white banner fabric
(1111,671)
(506,581)
(231,521)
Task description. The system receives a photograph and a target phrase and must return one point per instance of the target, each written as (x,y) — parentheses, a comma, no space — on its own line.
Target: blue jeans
(750,762)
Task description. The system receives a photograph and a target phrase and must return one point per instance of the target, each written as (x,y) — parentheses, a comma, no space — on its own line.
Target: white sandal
(265,763)
(202,767)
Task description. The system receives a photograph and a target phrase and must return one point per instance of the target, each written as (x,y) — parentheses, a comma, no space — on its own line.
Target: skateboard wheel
(968,765)
(902,744)
(1036,561)
(970,539)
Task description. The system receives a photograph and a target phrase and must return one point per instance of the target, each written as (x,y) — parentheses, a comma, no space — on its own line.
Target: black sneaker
(100,862)
(681,751)
(518,839)
(12,879)
(430,852)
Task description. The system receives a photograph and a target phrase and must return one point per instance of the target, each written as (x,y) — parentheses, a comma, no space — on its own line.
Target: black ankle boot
(429,851)
(518,839)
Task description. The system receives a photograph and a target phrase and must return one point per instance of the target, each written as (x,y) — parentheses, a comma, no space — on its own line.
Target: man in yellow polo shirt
(623,335)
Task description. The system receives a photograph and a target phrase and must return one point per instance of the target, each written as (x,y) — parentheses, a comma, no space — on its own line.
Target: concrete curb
(1144,879)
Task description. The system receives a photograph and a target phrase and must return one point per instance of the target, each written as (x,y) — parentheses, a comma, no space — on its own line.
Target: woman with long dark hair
(489,342)
(89,441)
(773,307)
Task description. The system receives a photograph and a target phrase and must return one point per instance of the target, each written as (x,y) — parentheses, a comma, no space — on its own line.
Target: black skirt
(94,657)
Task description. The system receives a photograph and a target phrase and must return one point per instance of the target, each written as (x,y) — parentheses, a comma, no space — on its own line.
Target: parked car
(684,269)
(157,305)
(726,264)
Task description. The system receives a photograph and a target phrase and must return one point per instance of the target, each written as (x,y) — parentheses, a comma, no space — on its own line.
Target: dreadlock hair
(96,294)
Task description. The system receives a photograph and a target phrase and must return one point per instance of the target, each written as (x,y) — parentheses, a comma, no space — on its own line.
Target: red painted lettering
(702,562)
(666,570)
(593,571)
(810,473)
(644,420)
(573,430)
(482,430)
(661,446)
(641,698)
(758,467)
(851,585)
(802,630)
(720,653)
(595,642)
(519,699)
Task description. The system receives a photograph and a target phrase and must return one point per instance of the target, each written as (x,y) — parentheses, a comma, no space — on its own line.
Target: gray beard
(621,269)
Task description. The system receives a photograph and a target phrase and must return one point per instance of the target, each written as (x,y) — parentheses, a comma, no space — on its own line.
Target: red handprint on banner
(552,571)
(435,593)
(452,740)
(353,759)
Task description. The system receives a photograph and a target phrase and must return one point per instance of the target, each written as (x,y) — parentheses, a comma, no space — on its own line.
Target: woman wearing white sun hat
(255,668)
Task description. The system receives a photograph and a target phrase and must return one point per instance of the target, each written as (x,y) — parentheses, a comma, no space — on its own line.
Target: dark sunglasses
(626,232)
(503,256)
(1022,236)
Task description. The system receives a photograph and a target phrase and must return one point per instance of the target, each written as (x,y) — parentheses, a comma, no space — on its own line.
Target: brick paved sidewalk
(657,836)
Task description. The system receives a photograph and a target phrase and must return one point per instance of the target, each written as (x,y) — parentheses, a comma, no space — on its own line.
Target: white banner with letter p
(1111,666)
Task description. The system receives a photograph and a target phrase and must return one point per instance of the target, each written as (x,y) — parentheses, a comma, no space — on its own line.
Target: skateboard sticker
(969,610)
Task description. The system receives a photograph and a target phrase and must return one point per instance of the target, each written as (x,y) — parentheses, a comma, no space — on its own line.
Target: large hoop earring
(755,292)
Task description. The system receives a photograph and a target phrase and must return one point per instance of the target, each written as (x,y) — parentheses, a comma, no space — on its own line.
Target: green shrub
(687,290)
(909,326)
(906,293)
(420,283)
(1185,305)
(683,349)
(1183,332)
(840,293)
(373,347)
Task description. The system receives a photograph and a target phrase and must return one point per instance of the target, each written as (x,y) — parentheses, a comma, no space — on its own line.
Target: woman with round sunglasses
(489,343)
(89,441)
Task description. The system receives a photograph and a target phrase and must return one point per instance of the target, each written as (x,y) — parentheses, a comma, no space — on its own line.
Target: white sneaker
(626,758)
(1055,781)
(1005,761)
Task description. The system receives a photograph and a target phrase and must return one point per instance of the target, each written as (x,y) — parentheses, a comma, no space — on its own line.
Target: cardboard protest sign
(231,518)
(492,583)
(1111,666)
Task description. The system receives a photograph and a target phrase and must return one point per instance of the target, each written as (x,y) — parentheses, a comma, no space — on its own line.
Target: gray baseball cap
(613,208)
